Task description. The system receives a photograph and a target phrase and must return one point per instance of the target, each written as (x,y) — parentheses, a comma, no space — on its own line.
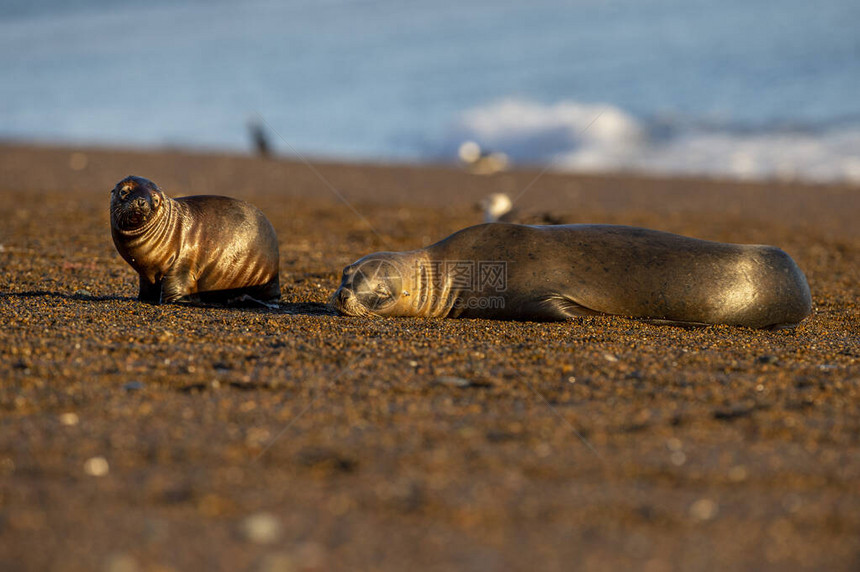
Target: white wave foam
(594,137)
(531,131)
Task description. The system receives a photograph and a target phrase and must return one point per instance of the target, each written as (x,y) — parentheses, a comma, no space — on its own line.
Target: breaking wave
(576,136)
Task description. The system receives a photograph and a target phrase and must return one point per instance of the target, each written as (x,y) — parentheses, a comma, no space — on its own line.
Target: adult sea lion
(194,249)
(519,272)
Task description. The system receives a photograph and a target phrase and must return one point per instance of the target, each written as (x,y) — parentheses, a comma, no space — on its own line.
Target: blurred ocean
(744,88)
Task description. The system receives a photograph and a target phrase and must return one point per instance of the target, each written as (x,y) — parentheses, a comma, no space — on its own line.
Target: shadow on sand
(289,308)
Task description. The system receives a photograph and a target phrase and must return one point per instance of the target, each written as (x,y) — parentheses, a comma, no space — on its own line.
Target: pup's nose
(141,202)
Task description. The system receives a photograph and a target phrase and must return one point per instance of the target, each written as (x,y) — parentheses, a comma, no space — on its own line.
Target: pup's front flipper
(150,292)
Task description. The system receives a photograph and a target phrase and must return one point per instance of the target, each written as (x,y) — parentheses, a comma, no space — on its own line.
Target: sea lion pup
(518,272)
(205,249)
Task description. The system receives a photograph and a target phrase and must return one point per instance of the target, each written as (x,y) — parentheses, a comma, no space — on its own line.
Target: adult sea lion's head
(134,202)
(378,284)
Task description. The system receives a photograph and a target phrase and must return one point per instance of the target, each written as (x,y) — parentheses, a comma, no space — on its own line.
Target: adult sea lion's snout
(346,302)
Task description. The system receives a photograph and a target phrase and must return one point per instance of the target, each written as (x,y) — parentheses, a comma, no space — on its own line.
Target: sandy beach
(170,438)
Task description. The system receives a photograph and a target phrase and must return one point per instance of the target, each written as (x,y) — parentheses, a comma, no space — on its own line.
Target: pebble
(83,293)
(262,528)
(69,419)
(133,385)
(120,562)
(96,467)
(543,450)
(738,474)
(704,509)
(452,381)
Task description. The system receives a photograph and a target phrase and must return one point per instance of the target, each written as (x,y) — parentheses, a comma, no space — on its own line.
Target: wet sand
(159,438)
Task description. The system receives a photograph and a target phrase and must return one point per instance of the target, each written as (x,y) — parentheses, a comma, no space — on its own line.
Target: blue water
(747,88)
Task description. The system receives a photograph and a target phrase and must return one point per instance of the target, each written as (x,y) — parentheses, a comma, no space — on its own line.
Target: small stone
(453,381)
(69,419)
(133,385)
(120,562)
(610,358)
(766,359)
(96,467)
(413,363)
(83,293)
(678,458)
(261,528)
(704,509)
(732,412)
(738,474)
(257,436)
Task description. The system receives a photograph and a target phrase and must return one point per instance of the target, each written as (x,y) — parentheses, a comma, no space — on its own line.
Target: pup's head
(134,202)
